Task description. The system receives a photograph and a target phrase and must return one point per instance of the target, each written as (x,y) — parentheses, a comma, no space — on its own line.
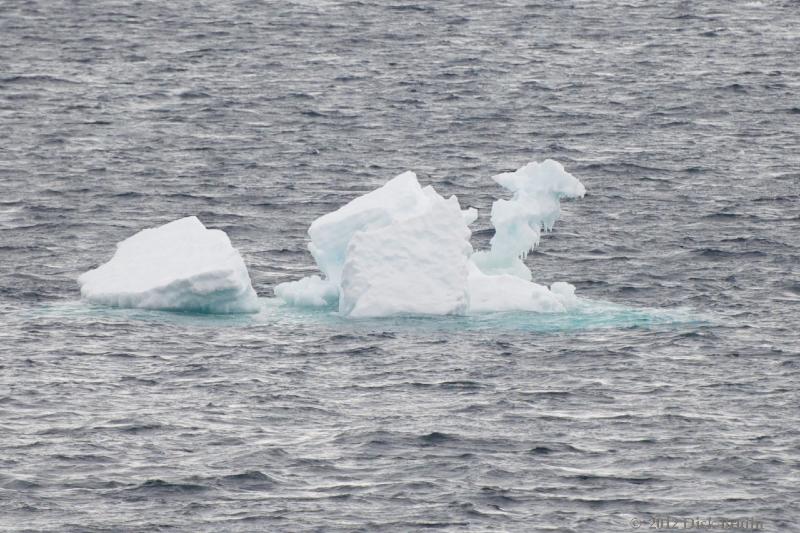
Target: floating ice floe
(404,250)
(180,266)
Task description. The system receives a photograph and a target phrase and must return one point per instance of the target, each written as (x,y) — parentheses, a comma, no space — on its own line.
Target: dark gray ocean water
(681,118)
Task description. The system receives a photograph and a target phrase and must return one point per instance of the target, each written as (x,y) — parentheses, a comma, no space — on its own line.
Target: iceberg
(180,266)
(400,249)
(311,291)
(403,249)
(506,292)
(416,265)
(538,189)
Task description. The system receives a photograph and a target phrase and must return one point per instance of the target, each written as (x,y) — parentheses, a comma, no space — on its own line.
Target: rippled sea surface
(677,396)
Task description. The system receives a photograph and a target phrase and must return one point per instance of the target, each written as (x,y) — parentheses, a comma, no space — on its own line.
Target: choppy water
(681,118)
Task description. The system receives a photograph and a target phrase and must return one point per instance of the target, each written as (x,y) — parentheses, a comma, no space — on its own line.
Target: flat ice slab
(180,266)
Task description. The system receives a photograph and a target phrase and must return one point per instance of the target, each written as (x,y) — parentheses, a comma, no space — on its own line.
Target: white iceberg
(400,249)
(506,292)
(311,291)
(519,222)
(416,265)
(403,249)
(180,266)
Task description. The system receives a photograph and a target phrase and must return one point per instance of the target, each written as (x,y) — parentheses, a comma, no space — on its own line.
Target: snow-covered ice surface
(535,206)
(180,266)
(400,249)
(404,250)
(415,265)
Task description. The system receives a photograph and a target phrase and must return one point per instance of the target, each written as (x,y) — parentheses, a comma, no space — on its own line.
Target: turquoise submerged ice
(404,250)
(180,266)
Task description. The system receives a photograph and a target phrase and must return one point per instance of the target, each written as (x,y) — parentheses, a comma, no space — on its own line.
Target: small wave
(734,87)
(21,484)
(603,479)
(159,486)
(193,94)
(498,495)
(715,253)
(251,480)
(436,438)
(84,458)
(461,385)
(554,448)
(36,80)
(412,8)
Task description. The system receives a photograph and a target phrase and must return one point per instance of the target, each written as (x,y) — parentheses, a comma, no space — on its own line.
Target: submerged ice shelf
(400,250)
(403,249)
